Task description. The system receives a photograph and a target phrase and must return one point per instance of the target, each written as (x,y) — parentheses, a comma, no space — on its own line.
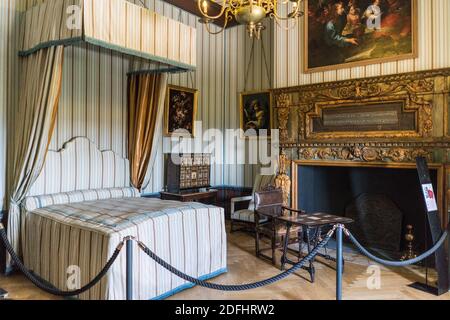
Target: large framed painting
(180,111)
(256,113)
(349,33)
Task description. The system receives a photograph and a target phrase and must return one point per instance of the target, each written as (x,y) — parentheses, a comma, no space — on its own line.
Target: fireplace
(383,198)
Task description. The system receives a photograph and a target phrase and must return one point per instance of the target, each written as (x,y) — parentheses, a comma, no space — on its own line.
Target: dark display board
(434,221)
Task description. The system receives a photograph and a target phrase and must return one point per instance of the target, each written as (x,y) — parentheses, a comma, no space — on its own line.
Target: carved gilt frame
(408,107)
(417,89)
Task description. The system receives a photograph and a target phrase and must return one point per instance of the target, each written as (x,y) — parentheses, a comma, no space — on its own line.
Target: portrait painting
(349,33)
(255,109)
(180,111)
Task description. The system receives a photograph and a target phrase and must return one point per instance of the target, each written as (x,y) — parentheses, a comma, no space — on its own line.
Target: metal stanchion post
(339,263)
(129,269)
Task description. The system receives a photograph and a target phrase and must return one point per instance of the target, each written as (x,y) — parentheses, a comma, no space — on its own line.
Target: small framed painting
(256,113)
(349,33)
(180,111)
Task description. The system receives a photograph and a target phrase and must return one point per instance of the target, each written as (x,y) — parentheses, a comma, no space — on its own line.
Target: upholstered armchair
(245,219)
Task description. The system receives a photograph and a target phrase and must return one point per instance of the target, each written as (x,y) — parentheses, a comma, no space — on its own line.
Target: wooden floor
(244,267)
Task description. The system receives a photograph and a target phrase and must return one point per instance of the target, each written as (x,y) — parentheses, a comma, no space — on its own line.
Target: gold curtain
(40,88)
(146,95)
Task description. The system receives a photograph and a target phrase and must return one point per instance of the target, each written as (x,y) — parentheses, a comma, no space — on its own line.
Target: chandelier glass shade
(251,13)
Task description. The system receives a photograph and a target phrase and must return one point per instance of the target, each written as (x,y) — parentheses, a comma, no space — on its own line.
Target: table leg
(312,270)
(285,247)
(300,243)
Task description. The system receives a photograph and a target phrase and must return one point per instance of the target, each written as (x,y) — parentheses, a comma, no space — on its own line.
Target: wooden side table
(309,222)
(207,197)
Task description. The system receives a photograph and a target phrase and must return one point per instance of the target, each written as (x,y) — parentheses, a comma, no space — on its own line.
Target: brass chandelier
(251,13)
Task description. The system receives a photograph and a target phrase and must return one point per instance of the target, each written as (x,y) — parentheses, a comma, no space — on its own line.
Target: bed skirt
(192,238)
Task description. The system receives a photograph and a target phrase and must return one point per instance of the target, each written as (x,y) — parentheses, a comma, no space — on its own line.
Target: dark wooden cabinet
(187,171)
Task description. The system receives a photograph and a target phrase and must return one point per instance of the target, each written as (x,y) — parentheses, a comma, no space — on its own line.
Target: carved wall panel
(366,154)
(390,133)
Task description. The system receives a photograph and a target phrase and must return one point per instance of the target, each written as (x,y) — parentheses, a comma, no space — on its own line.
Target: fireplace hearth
(377,222)
(382,199)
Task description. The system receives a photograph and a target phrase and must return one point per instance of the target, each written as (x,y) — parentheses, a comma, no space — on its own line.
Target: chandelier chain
(247,72)
(250,61)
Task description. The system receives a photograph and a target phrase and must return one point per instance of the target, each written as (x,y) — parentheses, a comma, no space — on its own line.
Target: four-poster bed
(94,201)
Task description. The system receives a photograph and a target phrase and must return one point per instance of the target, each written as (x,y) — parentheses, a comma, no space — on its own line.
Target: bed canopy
(114,24)
(159,45)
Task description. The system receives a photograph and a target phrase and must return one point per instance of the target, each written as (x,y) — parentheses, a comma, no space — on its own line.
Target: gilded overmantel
(390,118)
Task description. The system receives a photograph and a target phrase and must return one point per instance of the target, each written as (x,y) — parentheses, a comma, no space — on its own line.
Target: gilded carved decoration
(379,144)
(365,154)
(404,77)
(416,93)
(283,181)
(283,111)
(365,93)
(415,89)
(361,90)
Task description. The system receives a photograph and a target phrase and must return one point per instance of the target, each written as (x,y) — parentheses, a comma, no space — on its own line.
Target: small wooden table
(309,222)
(207,197)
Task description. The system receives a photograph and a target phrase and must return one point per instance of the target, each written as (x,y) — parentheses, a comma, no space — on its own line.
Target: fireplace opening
(381,200)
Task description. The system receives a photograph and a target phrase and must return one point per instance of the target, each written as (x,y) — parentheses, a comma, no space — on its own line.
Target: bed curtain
(38,105)
(146,96)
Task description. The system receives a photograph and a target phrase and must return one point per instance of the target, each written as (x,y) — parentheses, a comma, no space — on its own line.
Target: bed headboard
(80,165)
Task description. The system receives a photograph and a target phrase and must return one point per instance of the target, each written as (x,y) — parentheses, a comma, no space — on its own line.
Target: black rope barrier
(52,290)
(242,287)
(397,263)
(37,282)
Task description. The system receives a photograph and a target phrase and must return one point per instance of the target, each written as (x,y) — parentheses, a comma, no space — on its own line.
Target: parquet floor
(244,267)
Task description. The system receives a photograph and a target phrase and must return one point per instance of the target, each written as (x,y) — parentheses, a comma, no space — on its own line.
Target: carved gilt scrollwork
(361,93)
(365,154)
(283,181)
(283,111)
(412,95)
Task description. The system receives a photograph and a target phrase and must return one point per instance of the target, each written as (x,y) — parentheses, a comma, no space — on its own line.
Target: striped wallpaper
(237,54)
(94,87)
(434,48)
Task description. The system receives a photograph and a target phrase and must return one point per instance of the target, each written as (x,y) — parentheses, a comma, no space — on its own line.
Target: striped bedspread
(64,239)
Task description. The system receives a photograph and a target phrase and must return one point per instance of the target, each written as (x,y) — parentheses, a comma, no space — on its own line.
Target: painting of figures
(255,109)
(348,33)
